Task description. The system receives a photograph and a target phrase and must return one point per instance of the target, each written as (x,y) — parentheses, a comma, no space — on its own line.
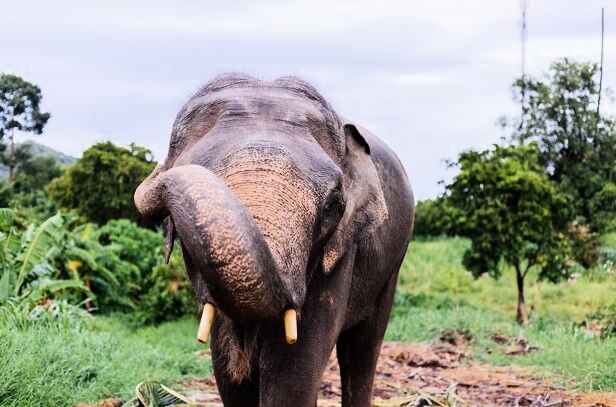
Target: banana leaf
(40,242)
(155,394)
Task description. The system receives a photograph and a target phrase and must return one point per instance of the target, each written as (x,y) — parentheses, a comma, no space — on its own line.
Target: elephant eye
(333,208)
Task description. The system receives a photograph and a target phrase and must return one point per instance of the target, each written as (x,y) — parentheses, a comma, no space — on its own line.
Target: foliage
(168,293)
(605,319)
(27,193)
(101,184)
(116,267)
(29,284)
(603,208)
(152,393)
(55,365)
(19,110)
(503,201)
(34,205)
(577,144)
(431,218)
(432,276)
(159,292)
(436,293)
(35,173)
(109,277)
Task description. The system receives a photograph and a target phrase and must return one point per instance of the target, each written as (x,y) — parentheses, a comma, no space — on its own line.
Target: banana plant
(26,261)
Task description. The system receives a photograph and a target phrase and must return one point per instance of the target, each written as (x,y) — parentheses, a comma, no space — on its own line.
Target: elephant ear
(365,207)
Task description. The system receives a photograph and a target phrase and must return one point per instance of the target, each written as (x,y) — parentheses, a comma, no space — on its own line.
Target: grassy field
(436,293)
(55,365)
(59,366)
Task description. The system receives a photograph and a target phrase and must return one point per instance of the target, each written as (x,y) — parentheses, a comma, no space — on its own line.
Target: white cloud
(429,77)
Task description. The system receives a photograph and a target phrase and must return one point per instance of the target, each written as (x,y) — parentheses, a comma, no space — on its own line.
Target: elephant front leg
(290,375)
(358,350)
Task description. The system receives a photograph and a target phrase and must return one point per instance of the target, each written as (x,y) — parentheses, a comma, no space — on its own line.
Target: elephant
(289,217)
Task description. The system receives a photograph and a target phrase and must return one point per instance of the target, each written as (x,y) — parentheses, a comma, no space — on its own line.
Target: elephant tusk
(207,319)
(290,326)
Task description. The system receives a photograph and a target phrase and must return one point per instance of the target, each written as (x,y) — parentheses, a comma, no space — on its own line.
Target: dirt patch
(417,375)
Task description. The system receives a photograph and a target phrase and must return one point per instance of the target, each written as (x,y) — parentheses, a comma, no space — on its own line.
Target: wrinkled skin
(280,203)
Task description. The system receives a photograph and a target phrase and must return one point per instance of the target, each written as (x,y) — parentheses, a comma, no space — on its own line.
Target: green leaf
(154,394)
(43,239)
(7,216)
(4,286)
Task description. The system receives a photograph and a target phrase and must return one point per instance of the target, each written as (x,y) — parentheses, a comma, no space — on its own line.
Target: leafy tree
(19,110)
(35,173)
(27,192)
(577,144)
(503,201)
(431,218)
(101,184)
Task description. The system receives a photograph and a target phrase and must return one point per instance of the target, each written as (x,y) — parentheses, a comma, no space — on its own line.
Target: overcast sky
(428,77)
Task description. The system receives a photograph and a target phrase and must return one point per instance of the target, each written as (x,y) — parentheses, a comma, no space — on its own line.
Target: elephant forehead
(297,167)
(271,183)
(281,192)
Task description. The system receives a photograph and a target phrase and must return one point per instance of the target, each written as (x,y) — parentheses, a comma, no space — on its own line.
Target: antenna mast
(601,65)
(523,64)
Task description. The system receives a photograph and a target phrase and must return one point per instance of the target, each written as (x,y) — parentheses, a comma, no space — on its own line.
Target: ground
(419,374)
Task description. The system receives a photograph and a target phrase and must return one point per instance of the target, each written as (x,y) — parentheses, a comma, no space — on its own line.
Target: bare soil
(415,375)
(439,375)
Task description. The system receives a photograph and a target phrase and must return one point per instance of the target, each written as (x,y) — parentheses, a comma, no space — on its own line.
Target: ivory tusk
(207,319)
(290,325)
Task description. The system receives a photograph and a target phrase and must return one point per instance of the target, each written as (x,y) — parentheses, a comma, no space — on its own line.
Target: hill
(40,150)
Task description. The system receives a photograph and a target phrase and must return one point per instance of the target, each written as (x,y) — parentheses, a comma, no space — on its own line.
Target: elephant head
(265,185)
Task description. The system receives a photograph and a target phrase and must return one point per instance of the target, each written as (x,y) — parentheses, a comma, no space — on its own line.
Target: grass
(436,293)
(62,364)
(435,267)
(58,366)
(566,352)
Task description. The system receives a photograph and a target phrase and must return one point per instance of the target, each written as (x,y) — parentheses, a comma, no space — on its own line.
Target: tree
(101,184)
(19,110)
(431,218)
(503,201)
(577,144)
(35,173)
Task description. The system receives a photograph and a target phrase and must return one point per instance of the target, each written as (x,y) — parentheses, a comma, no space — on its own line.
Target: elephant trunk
(226,248)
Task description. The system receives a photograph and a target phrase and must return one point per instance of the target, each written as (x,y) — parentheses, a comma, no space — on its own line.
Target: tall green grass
(49,365)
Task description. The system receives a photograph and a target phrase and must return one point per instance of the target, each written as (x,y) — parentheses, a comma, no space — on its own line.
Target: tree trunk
(12,157)
(521,316)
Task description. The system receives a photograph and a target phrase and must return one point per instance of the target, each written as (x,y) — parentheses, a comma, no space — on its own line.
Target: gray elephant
(283,209)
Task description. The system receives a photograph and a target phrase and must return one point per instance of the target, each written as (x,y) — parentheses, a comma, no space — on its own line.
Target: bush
(603,320)
(157,291)
(169,294)
(431,218)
